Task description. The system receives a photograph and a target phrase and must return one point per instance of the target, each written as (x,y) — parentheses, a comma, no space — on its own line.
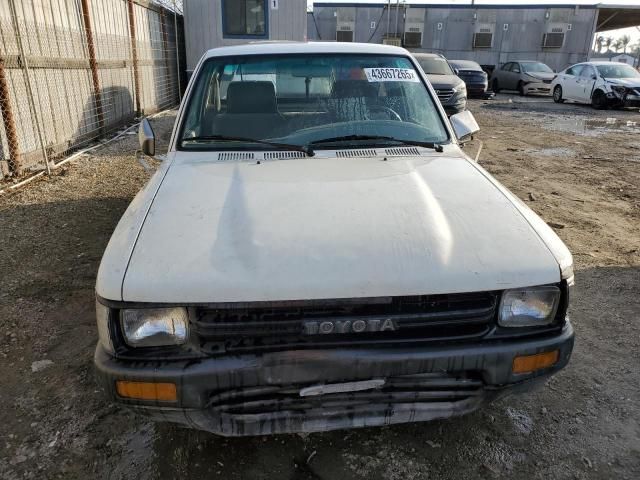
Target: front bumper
(475,90)
(631,101)
(628,100)
(539,88)
(264,390)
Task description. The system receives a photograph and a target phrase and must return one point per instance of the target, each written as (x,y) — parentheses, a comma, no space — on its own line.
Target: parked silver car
(524,76)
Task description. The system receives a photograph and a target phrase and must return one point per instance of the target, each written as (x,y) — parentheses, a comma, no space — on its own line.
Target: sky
(634,33)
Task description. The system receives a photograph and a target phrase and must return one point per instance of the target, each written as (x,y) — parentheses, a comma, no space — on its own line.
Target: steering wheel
(393,115)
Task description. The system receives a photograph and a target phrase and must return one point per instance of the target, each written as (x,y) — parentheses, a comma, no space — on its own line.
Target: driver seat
(352,98)
(251,111)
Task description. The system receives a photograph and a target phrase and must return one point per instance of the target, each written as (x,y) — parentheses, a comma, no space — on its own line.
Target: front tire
(495,86)
(599,100)
(521,89)
(557,94)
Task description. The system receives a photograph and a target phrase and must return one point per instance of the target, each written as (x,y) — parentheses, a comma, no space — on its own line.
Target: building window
(244,18)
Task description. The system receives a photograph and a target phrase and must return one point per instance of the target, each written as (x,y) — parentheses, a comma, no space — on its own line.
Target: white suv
(317,252)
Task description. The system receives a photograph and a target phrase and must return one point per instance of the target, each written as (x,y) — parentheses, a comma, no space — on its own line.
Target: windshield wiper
(346,138)
(280,146)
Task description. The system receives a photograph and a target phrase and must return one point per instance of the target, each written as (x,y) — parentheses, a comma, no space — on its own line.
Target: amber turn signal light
(531,363)
(164,392)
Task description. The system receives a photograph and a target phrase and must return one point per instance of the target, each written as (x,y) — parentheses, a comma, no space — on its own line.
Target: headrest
(354,88)
(251,97)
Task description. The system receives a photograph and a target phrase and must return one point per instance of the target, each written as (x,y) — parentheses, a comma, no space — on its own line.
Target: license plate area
(345,387)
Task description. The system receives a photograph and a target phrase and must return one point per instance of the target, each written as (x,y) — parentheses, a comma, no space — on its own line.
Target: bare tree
(608,42)
(600,43)
(624,41)
(617,45)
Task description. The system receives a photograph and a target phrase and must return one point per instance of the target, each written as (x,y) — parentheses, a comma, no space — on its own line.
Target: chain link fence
(74,71)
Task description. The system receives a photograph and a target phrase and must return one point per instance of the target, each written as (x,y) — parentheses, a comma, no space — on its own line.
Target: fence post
(27,81)
(165,51)
(134,54)
(15,163)
(91,50)
(175,27)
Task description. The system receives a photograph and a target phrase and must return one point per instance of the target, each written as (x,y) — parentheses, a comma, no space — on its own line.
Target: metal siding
(522,40)
(203,26)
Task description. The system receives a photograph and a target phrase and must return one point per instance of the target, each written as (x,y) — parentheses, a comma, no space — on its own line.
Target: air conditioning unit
(483,36)
(413,27)
(344,35)
(395,41)
(554,38)
(346,24)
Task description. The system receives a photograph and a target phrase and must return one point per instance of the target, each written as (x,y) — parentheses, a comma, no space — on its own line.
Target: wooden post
(165,46)
(177,41)
(91,49)
(134,55)
(27,83)
(15,163)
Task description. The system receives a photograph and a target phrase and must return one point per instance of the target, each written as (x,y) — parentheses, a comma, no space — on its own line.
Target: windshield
(435,65)
(617,71)
(305,99)
(536,67)
(465,65)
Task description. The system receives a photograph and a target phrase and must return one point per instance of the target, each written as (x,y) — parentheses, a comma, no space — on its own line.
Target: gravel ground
(580,172)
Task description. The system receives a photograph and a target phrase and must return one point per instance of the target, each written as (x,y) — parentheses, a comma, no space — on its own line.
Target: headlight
(154,327)
(529,307)
(103,315)
(462,88)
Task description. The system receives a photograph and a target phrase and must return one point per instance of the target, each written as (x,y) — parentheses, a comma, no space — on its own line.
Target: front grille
(445,94)
(336,323)
(429,388)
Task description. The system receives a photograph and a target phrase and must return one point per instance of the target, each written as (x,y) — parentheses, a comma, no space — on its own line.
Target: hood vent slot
(286,155)
(231,156)
(355,153)
(402,151)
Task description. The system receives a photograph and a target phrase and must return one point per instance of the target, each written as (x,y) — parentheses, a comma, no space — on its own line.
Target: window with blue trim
(244,18)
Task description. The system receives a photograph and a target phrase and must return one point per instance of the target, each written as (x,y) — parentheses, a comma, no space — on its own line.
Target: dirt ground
(577,171)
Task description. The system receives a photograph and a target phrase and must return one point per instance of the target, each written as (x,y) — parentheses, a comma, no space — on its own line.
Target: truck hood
(330,228)
(444,81)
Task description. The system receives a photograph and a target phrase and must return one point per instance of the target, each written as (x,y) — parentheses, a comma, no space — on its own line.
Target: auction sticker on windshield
(391,75)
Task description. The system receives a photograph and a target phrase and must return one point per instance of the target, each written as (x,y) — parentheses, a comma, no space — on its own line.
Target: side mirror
(594,77)
(464,125)
(456,71)
(147,138)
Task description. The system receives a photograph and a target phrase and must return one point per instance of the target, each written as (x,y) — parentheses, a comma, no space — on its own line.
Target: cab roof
(276,48)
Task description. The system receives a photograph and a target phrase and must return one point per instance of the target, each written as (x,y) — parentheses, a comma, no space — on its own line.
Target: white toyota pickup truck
(317,252)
